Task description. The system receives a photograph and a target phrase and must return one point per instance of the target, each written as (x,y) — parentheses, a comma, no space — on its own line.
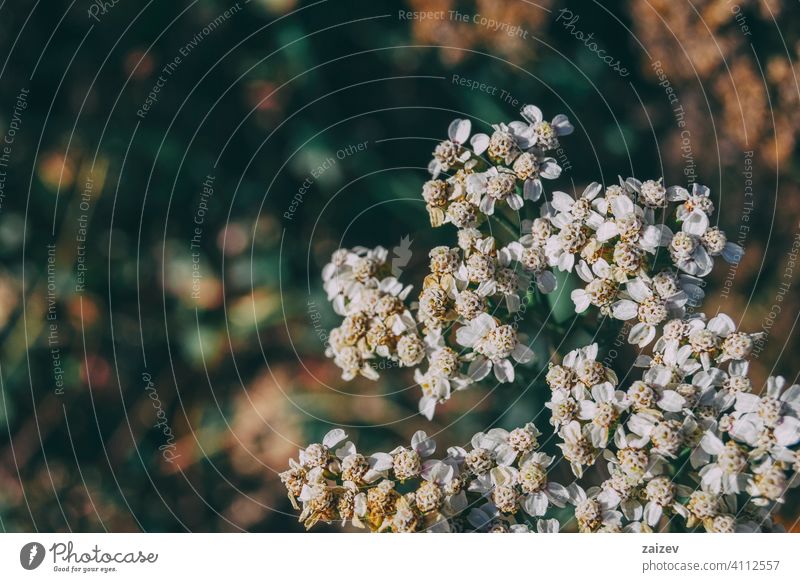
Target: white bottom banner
(391,557)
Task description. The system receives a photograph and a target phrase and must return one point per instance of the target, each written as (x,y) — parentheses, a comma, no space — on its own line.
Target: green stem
(507,225)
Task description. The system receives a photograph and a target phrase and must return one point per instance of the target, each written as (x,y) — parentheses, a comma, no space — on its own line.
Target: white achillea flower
(563,407)
(706,338)
(493,346)
(503,145)
(435,307)
(730,383)
(451,153)
(583,210)
(738,346)
(479,268)
(577,446)
(462,214)
(591,513)
(649,427)
(444,260)
(538,493)
(671,366)
(769,483)
(770,421)
(562,247)
(530,167)
(651,193)
(703,505)
(410,350)
(669,283)
(586,369)
(508,141)
(350,270)
(661,494)
(492,186)
(470,304)
(631,224)
(694,248)
(377,322)
(699,199)
(621,491)
(533,261)
(642,300)
(535,232)
(726,474)
(642,396)
(504,493)
(407,462)
(435,193)
(602,409)
(443,376)
(359,469)
(468,239)
(318,454)
(446,476)
(541,133)
(491,271)
(560,377)
(509,284)
(523,440)
(636,464)
(601,289)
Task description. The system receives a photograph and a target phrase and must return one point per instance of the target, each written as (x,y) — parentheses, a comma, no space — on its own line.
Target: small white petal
(625,309)
(532,113)
(459,130)
(549,169)
(607,231)
(546,282)
(479,369)
(671,401)
(522,353)
(787,432)
(532,190)
(334,437)
(424,446)
(696,223)
(732,252)
(504,371)
(562,201)
(562,125)
(479,142)
(535,504)
(515,201)
(652,513)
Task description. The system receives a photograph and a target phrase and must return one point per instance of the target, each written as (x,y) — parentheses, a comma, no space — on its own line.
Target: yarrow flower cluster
(377,322)
(488,486)
(612,243)
(685,441)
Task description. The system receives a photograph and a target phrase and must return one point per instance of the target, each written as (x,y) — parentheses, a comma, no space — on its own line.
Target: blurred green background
(162,321)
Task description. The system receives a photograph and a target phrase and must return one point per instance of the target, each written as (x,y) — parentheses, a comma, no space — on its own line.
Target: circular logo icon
(31,555)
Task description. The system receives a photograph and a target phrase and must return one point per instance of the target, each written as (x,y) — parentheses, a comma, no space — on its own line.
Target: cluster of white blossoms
(377,322)
(467,284)
(504,168)
(585,405)
(499,482)
(686,444)
(612,242)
